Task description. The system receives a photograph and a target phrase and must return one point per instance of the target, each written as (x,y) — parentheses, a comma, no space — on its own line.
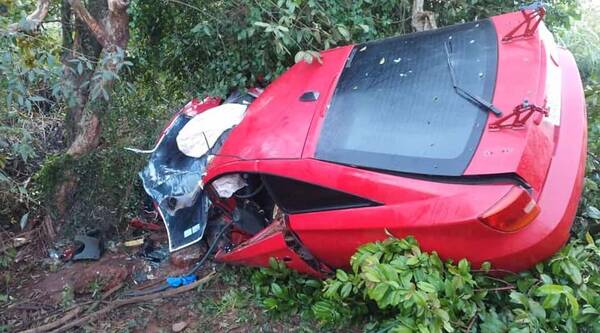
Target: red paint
(140,223)
(271,245)
(520,76)
(279,135)
(277,122)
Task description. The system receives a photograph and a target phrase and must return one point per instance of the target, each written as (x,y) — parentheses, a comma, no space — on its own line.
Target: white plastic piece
(202,131)
(553,77)
(227,185)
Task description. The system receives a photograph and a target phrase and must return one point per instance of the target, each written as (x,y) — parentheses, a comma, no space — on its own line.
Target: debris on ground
(140,223)
(179,326)
(88,248)
(134,242)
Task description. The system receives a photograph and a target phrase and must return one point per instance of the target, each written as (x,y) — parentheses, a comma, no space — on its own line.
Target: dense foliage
(395,287)
(213,47)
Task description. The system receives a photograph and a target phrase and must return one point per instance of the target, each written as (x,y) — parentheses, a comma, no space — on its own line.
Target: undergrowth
(395,287)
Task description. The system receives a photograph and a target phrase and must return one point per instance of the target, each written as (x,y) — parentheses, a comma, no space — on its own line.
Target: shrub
(394,286)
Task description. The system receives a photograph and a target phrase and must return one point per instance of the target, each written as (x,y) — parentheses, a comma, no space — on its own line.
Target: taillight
(514,211)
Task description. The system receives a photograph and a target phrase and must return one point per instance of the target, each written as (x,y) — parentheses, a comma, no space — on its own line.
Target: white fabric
(227,185)
(206,128)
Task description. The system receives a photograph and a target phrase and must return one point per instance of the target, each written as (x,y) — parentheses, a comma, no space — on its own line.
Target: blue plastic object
(176,281)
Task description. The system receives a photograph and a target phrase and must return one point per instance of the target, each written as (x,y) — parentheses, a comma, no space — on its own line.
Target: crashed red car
(471,138)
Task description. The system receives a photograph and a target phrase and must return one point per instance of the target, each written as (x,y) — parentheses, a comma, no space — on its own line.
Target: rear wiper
(465,94)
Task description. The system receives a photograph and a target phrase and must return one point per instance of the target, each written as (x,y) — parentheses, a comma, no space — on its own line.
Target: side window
(294,196)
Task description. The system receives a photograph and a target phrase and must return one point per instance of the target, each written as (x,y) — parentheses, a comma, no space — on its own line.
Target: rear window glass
(395,107)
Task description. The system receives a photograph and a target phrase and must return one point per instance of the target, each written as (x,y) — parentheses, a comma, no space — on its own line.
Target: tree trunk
(422,20)
(98,33)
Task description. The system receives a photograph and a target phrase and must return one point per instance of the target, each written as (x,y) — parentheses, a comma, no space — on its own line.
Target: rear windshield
(395,107)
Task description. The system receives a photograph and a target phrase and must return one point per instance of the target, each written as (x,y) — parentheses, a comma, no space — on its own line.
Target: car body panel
(276,123)
(526,152)
(271,244)
(545,159)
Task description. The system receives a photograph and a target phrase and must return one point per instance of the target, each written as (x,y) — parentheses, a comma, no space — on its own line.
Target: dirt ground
(39,288)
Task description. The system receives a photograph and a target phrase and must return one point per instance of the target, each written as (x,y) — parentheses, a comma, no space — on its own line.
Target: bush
(395,287)
(211,47)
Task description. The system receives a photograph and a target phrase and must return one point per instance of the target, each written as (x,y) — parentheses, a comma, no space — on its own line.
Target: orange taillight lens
(514,211)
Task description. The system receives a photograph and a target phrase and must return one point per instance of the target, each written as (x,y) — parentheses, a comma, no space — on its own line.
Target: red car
(471,138)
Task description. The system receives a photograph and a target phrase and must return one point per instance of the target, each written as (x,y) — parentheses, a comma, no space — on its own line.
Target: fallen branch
(15,243)
(104,296)
(111,291)
(121,302)
(496,289)
(44,328)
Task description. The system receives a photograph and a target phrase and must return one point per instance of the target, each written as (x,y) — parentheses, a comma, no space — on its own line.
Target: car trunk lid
(395,109)
(528,78)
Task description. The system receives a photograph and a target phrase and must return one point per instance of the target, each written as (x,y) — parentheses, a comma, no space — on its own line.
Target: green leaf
(546,279)
(412,261)
(24,220)
(550,289)
(38,99)
(573,272)
(425,286)
(551,301)
(592,212)
(346,289)
(590,310)
(401,329)
(262,24)
(486,266)
(313,283)
(372,276)
(276,289)
(273,263)
(589,239)
(364,27)
(344,32)
(519,298)
(378,292)
(270,303)
(463,266)
(341,275)
(536,309)
(299,56)
(573,304)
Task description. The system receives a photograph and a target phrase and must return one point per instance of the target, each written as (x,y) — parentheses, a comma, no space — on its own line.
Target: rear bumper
(562,189)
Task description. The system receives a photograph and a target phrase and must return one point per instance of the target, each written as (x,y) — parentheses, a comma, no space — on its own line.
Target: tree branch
(33,21)
(96,28)
(115,5)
